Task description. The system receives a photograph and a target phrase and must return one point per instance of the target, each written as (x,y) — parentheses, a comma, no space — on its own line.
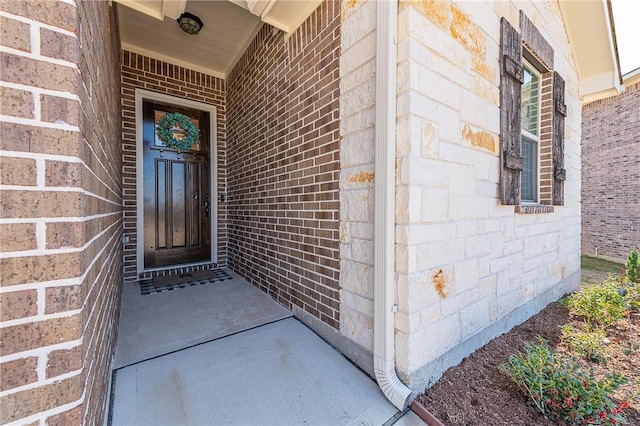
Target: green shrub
(632,267)
(632,297)
(588,344)
(599,305)
(557,387)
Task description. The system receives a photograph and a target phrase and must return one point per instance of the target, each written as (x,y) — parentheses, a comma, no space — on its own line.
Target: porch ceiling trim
(592,36)
(171,60)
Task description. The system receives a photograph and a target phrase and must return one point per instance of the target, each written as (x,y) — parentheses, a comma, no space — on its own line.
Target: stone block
(356,278)
(357,148)
(435,204)
(466,275)
(362,251)
(432,341)
(454,304)
(360,22)
(357,327)
(357,205)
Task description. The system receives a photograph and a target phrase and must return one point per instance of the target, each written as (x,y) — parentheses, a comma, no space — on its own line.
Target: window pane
(530,101)
(529,174)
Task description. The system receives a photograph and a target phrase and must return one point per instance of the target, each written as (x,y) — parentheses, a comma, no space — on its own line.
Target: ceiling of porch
(149,27)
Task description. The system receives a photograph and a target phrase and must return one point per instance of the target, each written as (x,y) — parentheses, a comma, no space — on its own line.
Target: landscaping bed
(477,392)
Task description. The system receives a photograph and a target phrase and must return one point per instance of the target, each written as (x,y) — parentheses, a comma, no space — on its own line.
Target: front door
(177,203)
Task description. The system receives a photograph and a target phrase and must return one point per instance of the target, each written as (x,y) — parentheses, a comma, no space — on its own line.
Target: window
(530,133)
(532,115)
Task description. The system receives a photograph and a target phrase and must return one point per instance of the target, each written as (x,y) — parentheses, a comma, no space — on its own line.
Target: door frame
(141,96)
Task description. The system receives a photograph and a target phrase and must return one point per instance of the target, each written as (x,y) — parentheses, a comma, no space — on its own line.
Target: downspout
(384,240)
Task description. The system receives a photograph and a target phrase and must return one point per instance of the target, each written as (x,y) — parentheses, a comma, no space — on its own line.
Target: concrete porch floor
(226,353)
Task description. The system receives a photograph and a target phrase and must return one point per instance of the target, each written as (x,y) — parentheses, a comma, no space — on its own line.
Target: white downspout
(384,291)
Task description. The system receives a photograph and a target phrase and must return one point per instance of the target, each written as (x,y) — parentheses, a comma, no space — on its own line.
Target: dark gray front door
(176,193)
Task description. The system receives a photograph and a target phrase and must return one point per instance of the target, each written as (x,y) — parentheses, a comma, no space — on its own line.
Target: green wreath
(175,119)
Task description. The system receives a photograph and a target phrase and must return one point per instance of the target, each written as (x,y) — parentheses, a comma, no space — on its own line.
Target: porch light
(190,23)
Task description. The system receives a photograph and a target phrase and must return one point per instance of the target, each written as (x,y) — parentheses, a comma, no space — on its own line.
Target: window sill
(534,209)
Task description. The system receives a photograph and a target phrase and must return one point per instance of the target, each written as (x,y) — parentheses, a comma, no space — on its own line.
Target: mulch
(477,393)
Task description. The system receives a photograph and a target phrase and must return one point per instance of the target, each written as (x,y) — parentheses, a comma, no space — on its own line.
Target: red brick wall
(146,73)
(60,210)
(283,164)
(611,175)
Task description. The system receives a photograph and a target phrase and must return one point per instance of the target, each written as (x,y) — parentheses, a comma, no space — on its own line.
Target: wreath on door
(167,126)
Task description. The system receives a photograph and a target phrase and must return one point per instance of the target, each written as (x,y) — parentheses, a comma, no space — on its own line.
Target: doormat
(171,282)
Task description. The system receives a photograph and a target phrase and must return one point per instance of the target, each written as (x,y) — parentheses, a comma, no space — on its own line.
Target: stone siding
(60,210)
(611,175)
(467,268)
(142,72)
(283,161)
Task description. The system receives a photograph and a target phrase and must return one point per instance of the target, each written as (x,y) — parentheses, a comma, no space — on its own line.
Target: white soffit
(228,29)
(226,33)
(591,35)
(286,15)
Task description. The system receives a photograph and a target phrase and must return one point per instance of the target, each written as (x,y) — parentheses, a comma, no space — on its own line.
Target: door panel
(176,186)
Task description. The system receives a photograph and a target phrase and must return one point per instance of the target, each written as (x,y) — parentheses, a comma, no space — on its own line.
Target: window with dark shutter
(559,113)
(531,174)
(510,82)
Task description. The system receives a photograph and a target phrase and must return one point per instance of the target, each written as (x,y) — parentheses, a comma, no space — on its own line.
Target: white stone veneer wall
(494,268)
(357,128)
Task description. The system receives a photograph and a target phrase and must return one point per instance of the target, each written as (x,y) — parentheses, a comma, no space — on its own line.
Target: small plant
(632,267)
(599,305)
(557,387)
(632,297)
(588,344)
(634,348)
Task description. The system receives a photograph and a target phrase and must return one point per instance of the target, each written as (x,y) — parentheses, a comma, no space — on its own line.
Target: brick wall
(147,73)
(283,164)
(60,210)
(611,175)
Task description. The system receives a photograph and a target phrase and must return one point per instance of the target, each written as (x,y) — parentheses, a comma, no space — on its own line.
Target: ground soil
(477,393)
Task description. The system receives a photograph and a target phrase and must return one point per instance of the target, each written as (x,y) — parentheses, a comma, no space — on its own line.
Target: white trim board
(141,95)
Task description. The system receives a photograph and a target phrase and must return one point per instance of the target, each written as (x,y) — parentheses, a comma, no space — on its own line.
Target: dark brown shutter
(510,88)
(559,113)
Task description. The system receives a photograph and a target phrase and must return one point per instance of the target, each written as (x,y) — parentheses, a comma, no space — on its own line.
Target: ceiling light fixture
(190,23)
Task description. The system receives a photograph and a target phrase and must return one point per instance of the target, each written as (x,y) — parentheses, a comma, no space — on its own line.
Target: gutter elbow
(395,391)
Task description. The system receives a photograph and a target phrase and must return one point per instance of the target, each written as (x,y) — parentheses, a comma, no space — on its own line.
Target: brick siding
(142,72)
(611,175)
(60,210)
(283,164)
